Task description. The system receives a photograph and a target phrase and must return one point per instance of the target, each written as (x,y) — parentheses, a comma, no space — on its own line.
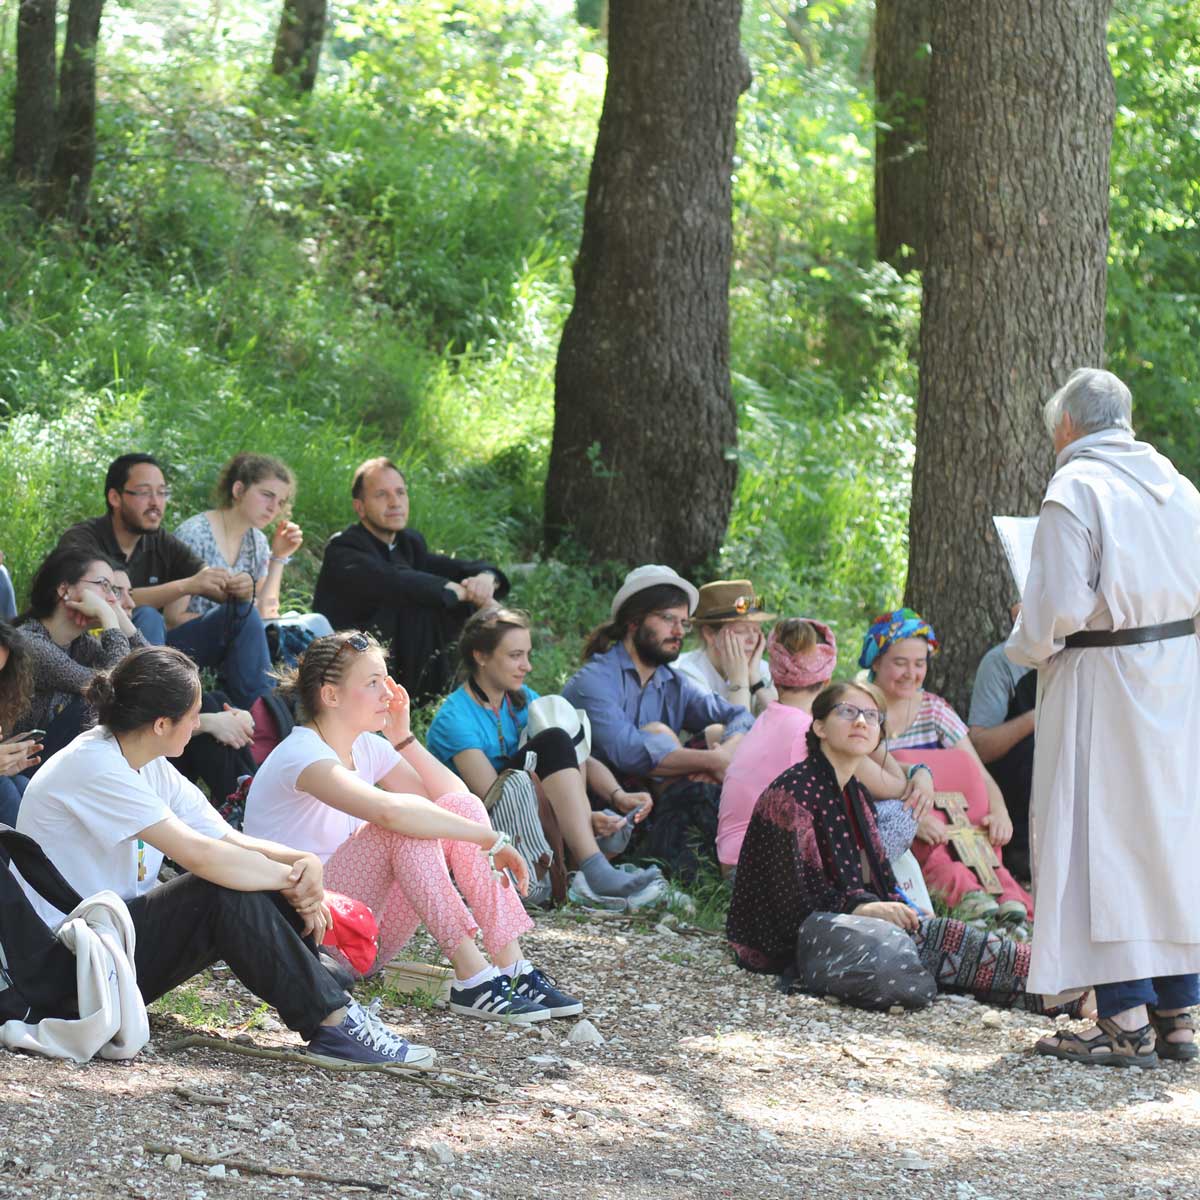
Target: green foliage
(1154,271)
(384,267)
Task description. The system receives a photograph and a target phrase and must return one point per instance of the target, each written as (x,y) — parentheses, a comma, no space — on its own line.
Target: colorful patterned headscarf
(892,627)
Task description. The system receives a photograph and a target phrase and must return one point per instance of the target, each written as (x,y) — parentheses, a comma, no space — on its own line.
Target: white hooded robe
(1115,814)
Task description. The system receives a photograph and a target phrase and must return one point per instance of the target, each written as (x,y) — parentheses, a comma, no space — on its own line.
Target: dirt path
(708,1084)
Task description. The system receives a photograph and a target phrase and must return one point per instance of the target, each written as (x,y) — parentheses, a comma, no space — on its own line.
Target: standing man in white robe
(1109,619)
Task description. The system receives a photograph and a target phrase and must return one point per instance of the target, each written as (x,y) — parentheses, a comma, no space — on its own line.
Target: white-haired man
(1109,619)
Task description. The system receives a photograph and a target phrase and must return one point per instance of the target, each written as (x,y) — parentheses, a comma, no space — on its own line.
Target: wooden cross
(968,842)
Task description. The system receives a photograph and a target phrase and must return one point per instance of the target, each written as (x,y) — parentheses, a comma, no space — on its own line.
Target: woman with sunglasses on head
(813,847)
(71,594)
(109,807)
(399,831)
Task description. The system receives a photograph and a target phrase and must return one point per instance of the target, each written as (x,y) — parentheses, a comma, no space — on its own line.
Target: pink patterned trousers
(406,881)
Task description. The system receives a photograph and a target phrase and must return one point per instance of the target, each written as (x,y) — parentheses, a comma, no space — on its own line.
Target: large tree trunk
(70,177)
(298,41)
(1020,127)
(642,464)
(33,102)
(902,33)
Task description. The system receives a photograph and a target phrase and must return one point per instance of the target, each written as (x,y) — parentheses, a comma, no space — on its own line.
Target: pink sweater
(773,745)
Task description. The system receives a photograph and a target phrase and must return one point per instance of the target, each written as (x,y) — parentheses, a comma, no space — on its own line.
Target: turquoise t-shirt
(462,724)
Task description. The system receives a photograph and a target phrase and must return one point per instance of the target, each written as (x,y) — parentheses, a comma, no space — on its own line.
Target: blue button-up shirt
(609,689)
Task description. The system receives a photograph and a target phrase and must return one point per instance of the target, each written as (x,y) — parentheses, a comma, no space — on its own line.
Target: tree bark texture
(902,32)
(1020,129)
(298,41)
(70,177)
(34,99)
(642,463)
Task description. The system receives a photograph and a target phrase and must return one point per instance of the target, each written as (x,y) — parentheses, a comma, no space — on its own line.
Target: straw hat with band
(729,600)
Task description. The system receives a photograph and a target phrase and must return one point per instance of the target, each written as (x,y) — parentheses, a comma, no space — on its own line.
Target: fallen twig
(418,1075)
(186,1093)
(253,1168)
(861,1059)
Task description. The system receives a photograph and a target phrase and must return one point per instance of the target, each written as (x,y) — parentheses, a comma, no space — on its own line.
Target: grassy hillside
(384,267)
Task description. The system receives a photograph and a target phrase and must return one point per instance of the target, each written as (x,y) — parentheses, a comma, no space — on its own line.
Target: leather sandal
(1115,1047)
(1179,1051)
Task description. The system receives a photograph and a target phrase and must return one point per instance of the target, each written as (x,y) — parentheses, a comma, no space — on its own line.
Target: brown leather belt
(1131,637)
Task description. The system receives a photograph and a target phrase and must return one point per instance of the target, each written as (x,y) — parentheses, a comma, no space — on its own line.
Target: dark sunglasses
(357,642)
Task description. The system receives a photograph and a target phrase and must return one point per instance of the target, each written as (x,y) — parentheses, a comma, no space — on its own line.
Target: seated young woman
(16,692)
(813,847)
(803,654)
(392,825)
(477,732)
(252,492)
(71,594)
(896,653)
(109,806)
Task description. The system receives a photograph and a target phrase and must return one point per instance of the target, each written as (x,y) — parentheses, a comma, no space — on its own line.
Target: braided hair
(325,660)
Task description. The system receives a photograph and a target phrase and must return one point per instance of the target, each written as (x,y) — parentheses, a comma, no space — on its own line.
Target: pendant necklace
(495,710)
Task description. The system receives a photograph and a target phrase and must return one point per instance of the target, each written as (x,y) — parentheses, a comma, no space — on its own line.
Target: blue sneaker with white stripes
(495,1000)
(537,986)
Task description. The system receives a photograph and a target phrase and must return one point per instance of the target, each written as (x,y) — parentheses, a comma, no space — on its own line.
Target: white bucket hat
(555,712)
(651,575)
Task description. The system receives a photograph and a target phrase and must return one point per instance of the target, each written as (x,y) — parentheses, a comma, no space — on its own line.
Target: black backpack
(37,972)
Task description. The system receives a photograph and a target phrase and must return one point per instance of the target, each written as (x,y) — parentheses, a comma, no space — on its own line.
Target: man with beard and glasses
(637,705)
(379,574)
(165,574)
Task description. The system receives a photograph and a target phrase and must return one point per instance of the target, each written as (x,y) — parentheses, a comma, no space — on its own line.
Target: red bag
(354,931)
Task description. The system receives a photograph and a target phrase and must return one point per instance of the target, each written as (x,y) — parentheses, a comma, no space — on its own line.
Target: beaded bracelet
(502,840)
(282,560)
(915,767)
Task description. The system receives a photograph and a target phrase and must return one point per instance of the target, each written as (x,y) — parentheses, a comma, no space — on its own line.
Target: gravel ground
(708,1083)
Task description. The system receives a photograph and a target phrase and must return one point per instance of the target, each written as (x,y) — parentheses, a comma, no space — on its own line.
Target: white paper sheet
(1016,536)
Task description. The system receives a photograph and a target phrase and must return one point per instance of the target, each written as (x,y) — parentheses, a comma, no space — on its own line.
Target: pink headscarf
(807,668)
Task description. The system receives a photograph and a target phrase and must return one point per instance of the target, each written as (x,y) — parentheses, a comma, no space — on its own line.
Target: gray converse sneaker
(363,1037)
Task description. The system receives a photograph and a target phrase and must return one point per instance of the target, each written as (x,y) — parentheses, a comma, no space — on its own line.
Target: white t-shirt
(697,666)
(278,810)
(86,806)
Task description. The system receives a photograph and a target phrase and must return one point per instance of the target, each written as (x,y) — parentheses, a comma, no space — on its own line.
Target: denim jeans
(12,788)
(230,637)
(1167,991)
(150,624)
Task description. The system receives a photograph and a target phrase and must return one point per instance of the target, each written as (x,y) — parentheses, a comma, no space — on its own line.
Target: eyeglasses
(103,584)
(668,619)
(851,712)
(357,642)
(148,493)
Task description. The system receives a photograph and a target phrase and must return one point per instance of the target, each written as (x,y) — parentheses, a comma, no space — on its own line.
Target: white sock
(517,969)
(478,978)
